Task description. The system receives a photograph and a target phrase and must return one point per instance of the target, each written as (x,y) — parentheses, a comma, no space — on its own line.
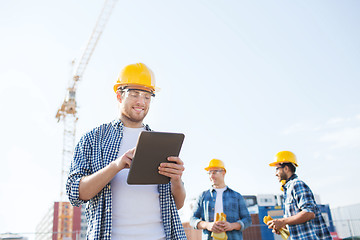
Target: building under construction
(62,221)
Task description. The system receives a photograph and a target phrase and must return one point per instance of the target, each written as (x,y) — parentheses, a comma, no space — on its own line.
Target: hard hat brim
(273,164)
(147,88)
(208,168)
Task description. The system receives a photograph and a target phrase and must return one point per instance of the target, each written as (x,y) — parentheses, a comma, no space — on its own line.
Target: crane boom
(93,40)
(68,110)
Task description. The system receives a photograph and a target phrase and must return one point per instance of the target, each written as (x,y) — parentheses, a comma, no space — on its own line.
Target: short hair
(290,165)
(121,89)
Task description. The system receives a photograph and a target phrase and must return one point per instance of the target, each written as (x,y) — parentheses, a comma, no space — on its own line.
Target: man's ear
(118,96)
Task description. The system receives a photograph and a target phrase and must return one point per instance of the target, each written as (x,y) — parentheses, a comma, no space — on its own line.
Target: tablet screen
(152,149)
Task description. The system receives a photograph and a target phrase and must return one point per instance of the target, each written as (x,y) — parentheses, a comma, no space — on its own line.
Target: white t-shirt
(136,208)
(219,201)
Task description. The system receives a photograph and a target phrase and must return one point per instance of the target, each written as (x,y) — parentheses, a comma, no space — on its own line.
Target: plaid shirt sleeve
(304,197)
(79,168)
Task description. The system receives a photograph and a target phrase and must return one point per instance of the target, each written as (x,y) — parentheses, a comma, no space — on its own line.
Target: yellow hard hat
(215,163)
(283,157)
(136,74)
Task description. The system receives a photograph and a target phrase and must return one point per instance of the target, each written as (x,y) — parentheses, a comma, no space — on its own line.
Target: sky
(242,80)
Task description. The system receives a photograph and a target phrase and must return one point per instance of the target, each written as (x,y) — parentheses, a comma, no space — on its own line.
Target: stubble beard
(130,116)
(282,177)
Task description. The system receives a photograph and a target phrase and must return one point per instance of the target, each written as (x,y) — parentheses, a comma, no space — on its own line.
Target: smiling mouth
(138,109)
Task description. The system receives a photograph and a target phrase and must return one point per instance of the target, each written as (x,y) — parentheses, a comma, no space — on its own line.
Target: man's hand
(227,226)
(174,170)
(125,160)
(222,226)
(215,227)
(276,225)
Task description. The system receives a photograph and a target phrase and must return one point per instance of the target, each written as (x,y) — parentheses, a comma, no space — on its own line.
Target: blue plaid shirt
(299,197)
(234,207)
(95,150)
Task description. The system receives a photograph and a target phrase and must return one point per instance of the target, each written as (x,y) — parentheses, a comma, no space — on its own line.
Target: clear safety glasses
(281,166)
(214,172)
(136,94)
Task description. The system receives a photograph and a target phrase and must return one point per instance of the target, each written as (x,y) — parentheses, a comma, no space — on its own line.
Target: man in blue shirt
(220,199)
(302,216)
(116,210)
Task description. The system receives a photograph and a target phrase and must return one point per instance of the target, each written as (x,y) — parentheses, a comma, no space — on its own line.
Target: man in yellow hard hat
(302,216)
(98,173)
(221,200)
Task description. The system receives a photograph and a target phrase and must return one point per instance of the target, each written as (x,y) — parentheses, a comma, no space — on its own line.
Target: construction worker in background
(98,173)
(302,216)
(222,201)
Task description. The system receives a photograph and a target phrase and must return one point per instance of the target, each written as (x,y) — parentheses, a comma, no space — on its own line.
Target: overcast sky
(242,79)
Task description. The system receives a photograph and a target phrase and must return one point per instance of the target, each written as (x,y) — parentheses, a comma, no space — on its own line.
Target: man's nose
(141,100)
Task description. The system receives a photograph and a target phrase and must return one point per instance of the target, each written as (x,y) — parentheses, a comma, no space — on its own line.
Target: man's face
(216,176)
(135,104)
(280,173)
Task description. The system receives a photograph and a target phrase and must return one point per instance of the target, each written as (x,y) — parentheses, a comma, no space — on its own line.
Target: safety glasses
(214,172)
(136,94)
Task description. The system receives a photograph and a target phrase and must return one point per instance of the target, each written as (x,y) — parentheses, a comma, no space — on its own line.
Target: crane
(67,113)
(68,110)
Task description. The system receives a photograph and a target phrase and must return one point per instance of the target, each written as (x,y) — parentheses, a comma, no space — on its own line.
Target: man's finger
(175,159)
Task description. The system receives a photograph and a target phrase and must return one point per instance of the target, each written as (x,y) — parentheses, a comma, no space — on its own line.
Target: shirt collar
(212,189)
(289,179)
(117,123)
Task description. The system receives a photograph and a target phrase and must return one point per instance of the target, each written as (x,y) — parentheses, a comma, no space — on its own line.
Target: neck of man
(217,186)
(130,123)
(290,175)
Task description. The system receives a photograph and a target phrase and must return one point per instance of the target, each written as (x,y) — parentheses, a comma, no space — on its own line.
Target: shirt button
(108,210)
(109,187)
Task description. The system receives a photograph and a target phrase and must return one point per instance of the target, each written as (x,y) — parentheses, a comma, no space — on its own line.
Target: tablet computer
(152,149)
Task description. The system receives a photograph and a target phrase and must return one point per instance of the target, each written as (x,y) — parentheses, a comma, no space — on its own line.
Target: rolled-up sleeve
(197,214)
(245,218)
(304,197)
(80,167)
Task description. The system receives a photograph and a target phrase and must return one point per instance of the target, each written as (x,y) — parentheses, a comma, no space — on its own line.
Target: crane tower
(67,113)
